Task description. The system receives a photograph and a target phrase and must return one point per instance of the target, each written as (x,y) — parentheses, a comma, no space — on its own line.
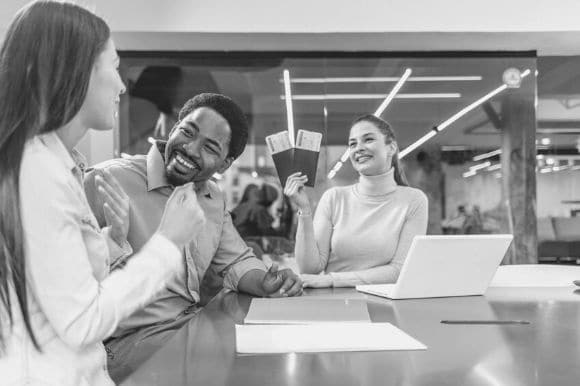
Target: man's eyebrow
(194,126)
(215,143)
(191,124)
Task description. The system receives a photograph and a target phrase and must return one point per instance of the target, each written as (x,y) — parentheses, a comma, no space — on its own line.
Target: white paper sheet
(276,339)
(303,310)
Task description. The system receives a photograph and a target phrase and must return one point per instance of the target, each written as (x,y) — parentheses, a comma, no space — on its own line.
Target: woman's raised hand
(294,189)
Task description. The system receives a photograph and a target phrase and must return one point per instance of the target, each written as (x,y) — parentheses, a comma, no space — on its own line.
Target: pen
(485,322)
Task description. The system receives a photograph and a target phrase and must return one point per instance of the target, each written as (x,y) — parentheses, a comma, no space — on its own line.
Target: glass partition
(461,168)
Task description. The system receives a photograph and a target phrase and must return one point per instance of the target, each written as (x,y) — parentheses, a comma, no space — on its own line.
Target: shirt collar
(73,160)
(156,171)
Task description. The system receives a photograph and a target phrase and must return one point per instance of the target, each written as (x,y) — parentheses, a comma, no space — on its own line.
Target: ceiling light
(417,143)
(289,113)
(494,167)
(384,79)
(545,141)
(487,155)
(558,131)
(482,165)
(456,116)
(470,107)
(470,173)
(559,168)
(393,92)
(454,148)
(344,156)
(327,97)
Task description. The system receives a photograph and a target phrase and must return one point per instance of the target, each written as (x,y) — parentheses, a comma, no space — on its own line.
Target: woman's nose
(359,146)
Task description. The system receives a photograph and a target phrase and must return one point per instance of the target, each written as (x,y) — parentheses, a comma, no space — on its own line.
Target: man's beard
(174,178)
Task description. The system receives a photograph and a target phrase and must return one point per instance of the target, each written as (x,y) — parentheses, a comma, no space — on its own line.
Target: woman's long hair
(389,134)
(46,62)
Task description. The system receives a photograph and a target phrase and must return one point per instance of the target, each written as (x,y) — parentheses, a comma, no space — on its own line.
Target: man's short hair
(231,112)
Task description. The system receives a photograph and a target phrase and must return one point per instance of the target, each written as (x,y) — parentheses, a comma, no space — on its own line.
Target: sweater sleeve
(313,237)
(415,224)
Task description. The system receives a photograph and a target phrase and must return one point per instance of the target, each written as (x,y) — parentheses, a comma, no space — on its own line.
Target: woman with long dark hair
(58,78)
(360,233)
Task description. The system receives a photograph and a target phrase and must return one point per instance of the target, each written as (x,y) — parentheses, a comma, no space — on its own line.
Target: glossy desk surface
(545,352)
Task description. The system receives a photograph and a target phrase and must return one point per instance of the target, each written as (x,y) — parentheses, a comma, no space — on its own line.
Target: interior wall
(330,25)
(328,15)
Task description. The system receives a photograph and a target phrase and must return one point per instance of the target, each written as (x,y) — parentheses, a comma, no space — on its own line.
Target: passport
(301,158)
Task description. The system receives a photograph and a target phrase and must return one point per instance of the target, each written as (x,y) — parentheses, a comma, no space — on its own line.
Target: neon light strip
(487,155)
(455,117)
(393,92)
(417,143)
(482,165)
(381,79)
(326,97)
(289,113)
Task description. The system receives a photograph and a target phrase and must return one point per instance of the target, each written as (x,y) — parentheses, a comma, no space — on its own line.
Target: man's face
(197,147)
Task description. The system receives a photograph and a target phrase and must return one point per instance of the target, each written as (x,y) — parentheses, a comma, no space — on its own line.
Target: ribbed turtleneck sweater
(363,231)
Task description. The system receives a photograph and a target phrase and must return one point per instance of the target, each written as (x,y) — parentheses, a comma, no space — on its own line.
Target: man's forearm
(251,282)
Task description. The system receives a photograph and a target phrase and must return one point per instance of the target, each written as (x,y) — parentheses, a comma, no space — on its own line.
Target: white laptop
(440,266)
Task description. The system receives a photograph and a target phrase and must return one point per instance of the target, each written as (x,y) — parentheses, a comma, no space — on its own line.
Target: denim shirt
(74,302)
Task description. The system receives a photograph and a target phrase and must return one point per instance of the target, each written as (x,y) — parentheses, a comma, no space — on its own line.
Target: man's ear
(226,165)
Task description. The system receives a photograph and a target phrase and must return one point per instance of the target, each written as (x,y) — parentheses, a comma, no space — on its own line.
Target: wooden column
(518,160)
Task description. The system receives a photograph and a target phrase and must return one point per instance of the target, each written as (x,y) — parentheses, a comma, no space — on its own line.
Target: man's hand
(116,205)
(316,281)
(281,283)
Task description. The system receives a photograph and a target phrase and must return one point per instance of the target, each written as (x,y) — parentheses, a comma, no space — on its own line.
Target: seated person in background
(251,195)
(251,217)
(456,223)
(473,224)
(361,233)
(210,134)
(287,225)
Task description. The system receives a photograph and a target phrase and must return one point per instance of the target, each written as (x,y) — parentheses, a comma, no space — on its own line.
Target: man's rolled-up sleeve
(234,258)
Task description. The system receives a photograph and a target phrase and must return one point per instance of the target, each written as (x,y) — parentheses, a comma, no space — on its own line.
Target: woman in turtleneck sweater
(360,233)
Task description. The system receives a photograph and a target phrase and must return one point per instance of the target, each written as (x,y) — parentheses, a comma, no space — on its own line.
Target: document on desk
(279,339)
(305,310)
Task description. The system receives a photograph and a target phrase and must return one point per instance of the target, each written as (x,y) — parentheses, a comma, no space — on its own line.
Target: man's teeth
(183,162)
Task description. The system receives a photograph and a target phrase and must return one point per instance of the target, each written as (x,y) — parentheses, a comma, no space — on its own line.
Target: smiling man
(210,134)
